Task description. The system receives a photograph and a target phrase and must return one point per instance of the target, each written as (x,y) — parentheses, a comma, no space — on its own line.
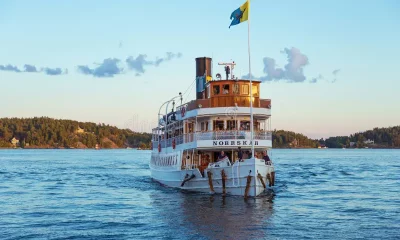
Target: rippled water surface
(108,194)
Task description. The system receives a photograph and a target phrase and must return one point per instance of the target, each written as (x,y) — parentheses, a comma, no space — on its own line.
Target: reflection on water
(218,217)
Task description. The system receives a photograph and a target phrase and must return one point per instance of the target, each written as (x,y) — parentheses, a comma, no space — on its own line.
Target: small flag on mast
(241,14)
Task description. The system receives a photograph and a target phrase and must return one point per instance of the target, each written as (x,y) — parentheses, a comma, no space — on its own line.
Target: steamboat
(217,143)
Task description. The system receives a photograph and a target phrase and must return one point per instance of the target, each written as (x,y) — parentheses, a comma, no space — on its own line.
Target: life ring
(183,111)
(159,147)
(173,143)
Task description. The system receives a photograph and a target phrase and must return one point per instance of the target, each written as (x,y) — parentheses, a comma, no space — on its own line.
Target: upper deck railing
(228,101)
(213,135)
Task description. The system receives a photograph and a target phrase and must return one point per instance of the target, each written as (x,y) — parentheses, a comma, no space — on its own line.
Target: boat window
(190,127)
(216,89)
(245,89)
(245,125)
(218,125)
(231,124)
(225,89)
(204,126)
(208,91)
(255,90)
(235,88)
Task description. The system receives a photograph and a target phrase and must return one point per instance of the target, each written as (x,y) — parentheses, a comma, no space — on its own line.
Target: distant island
(376,138)
(44,132)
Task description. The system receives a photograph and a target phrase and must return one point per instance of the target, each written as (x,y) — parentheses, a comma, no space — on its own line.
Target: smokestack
(203,72)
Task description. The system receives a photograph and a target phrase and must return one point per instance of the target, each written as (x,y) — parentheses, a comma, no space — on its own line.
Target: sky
(330,67)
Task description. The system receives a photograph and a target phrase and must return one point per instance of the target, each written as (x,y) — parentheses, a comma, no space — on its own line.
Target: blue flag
(241,14)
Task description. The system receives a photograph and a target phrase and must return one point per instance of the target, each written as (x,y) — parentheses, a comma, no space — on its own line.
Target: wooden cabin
(229,93)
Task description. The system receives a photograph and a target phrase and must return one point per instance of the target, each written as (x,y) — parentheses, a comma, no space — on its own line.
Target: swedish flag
(241,14)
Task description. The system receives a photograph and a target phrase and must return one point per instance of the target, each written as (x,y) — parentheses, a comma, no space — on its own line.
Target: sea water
(108,194)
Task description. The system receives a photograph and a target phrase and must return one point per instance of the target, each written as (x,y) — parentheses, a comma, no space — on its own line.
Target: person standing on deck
(222,156)
(240,154)
(266,158)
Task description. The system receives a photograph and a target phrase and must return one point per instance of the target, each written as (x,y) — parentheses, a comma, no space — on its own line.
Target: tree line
(288,139)
(44,132)
(382,137)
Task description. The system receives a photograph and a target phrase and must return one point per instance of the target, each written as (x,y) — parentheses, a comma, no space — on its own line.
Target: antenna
(228,68)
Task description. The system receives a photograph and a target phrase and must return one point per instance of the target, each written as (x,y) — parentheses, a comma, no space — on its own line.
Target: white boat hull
(235,183)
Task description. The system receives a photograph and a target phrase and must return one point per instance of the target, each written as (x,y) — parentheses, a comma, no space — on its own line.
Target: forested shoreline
(44,132)
(376,138)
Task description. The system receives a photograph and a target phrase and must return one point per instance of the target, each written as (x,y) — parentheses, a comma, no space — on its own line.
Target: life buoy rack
(183,111)
(173,143)
(159,147)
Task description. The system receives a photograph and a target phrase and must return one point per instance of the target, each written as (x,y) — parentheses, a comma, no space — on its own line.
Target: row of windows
(164,161)
(234,88)
(230,125)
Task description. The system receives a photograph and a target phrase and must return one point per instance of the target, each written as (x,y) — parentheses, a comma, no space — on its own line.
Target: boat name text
(233,143)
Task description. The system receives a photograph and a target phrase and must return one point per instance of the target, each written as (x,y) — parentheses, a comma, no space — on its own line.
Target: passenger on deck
(222,156)
(266,158)
(206,160)
(240,154)
(249,155)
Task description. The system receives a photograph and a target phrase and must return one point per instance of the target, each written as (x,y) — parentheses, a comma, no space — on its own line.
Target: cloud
(138,64)
(335,73)
(108,68)
(292,72)
(271,71)
(247,76)
(10,68)
(32,69)
(169,57)
(314,80)
(111,66)
(53,71)
(85,70)
(296,62)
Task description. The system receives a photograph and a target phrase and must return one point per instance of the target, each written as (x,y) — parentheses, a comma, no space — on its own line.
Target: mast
(251,83)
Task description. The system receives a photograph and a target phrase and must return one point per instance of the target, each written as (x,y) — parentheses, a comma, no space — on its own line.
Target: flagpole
(251,84)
